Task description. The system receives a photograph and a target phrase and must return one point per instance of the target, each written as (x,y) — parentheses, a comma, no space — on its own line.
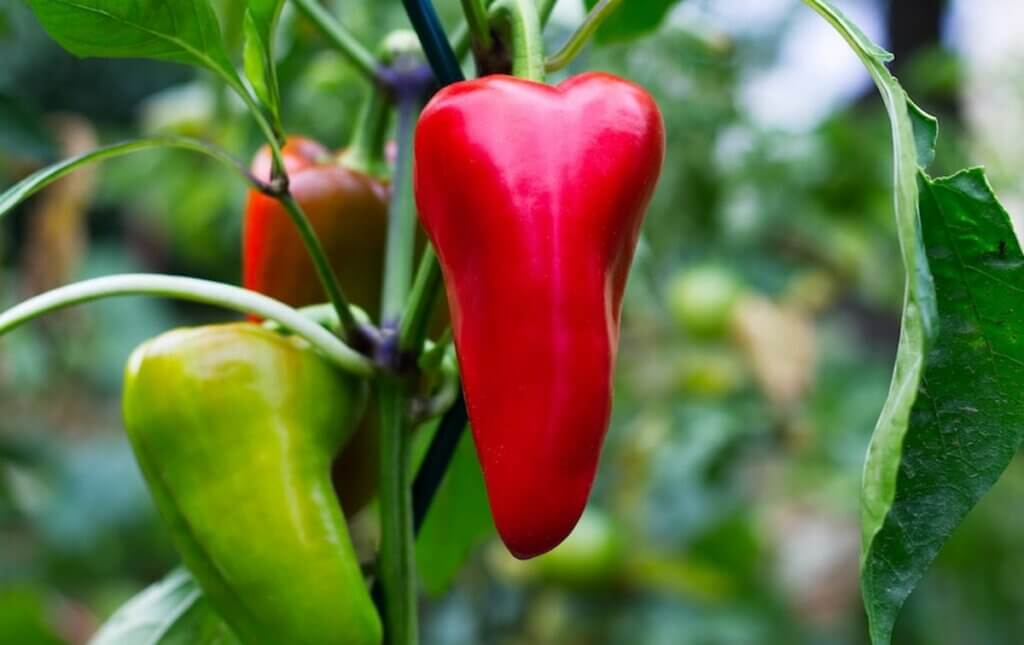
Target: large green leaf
(633,19)
(967,417)
(171,612)
(954,418)
(181,31)
(260,25)
(459,519)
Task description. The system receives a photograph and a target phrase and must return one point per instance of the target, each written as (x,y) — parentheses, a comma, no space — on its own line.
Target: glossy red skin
(533,196)
(348,212)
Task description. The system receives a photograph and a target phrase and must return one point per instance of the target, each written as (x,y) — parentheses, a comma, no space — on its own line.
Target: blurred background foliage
(760,328)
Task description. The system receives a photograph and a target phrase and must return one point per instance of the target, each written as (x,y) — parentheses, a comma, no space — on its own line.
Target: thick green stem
(365,151)
(401,241)
(424,292)
(396,559)
(522,23)
(194,290)
(579,38)
(476,21)
(341,38)
(323,267)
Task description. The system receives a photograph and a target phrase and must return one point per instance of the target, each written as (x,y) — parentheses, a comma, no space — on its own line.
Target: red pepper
(533,196)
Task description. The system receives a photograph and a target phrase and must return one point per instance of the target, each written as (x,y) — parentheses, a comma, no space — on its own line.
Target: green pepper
(234,427)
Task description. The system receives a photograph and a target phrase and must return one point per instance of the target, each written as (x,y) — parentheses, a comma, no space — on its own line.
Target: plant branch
(422,297)
(573,46)
(435,44)
(439,456)
(343,41)
(401,240)
(44,177)
(194,290)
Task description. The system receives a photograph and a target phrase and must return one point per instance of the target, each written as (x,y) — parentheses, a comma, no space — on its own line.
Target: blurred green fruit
(590,557)
(710,373)
(701,299)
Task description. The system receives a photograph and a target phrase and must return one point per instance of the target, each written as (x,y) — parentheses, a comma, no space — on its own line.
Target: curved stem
(323,267)
(365,151)
(435,44)
(523,23)
(579,38)
(401,219)
(42,178)
(476,20)
(346,44)
(194,290)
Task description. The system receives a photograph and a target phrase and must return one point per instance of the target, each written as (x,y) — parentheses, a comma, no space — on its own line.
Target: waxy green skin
(234,427)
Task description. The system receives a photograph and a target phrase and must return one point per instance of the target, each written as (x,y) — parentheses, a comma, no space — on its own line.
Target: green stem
(346,44)
(396,559)
(428,284)
(401,241)
(579,38)
(365,152)
(323,267)
(40,179)
(273,135)
(194,290)
(522,22)
(476,20)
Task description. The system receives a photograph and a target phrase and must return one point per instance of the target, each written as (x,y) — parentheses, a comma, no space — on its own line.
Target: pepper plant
(522,203)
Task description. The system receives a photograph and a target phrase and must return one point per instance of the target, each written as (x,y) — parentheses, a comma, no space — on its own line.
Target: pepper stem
(579,38)
(365,152)
(343,41)
(522,23)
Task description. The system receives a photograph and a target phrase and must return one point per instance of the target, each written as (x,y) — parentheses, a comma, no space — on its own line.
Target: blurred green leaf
(260,24)
(171,612)
(23,618)
(185,31)
(459,519)
(633,19)
(22,133)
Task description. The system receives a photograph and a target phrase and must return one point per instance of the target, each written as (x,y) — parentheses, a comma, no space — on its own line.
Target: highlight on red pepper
(533,196)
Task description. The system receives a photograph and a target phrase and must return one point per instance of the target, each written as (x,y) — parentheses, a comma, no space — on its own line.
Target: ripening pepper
(234,427)
(533,196)
(348,211)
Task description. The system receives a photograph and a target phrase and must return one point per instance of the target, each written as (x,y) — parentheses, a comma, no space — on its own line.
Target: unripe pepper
(533,196)
(234,428)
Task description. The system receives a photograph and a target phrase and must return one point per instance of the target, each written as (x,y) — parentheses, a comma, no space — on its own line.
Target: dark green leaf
(459,519)
(632,19)
(926,134)
(171,612)
(260,25)
(967,418)
(182,31)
